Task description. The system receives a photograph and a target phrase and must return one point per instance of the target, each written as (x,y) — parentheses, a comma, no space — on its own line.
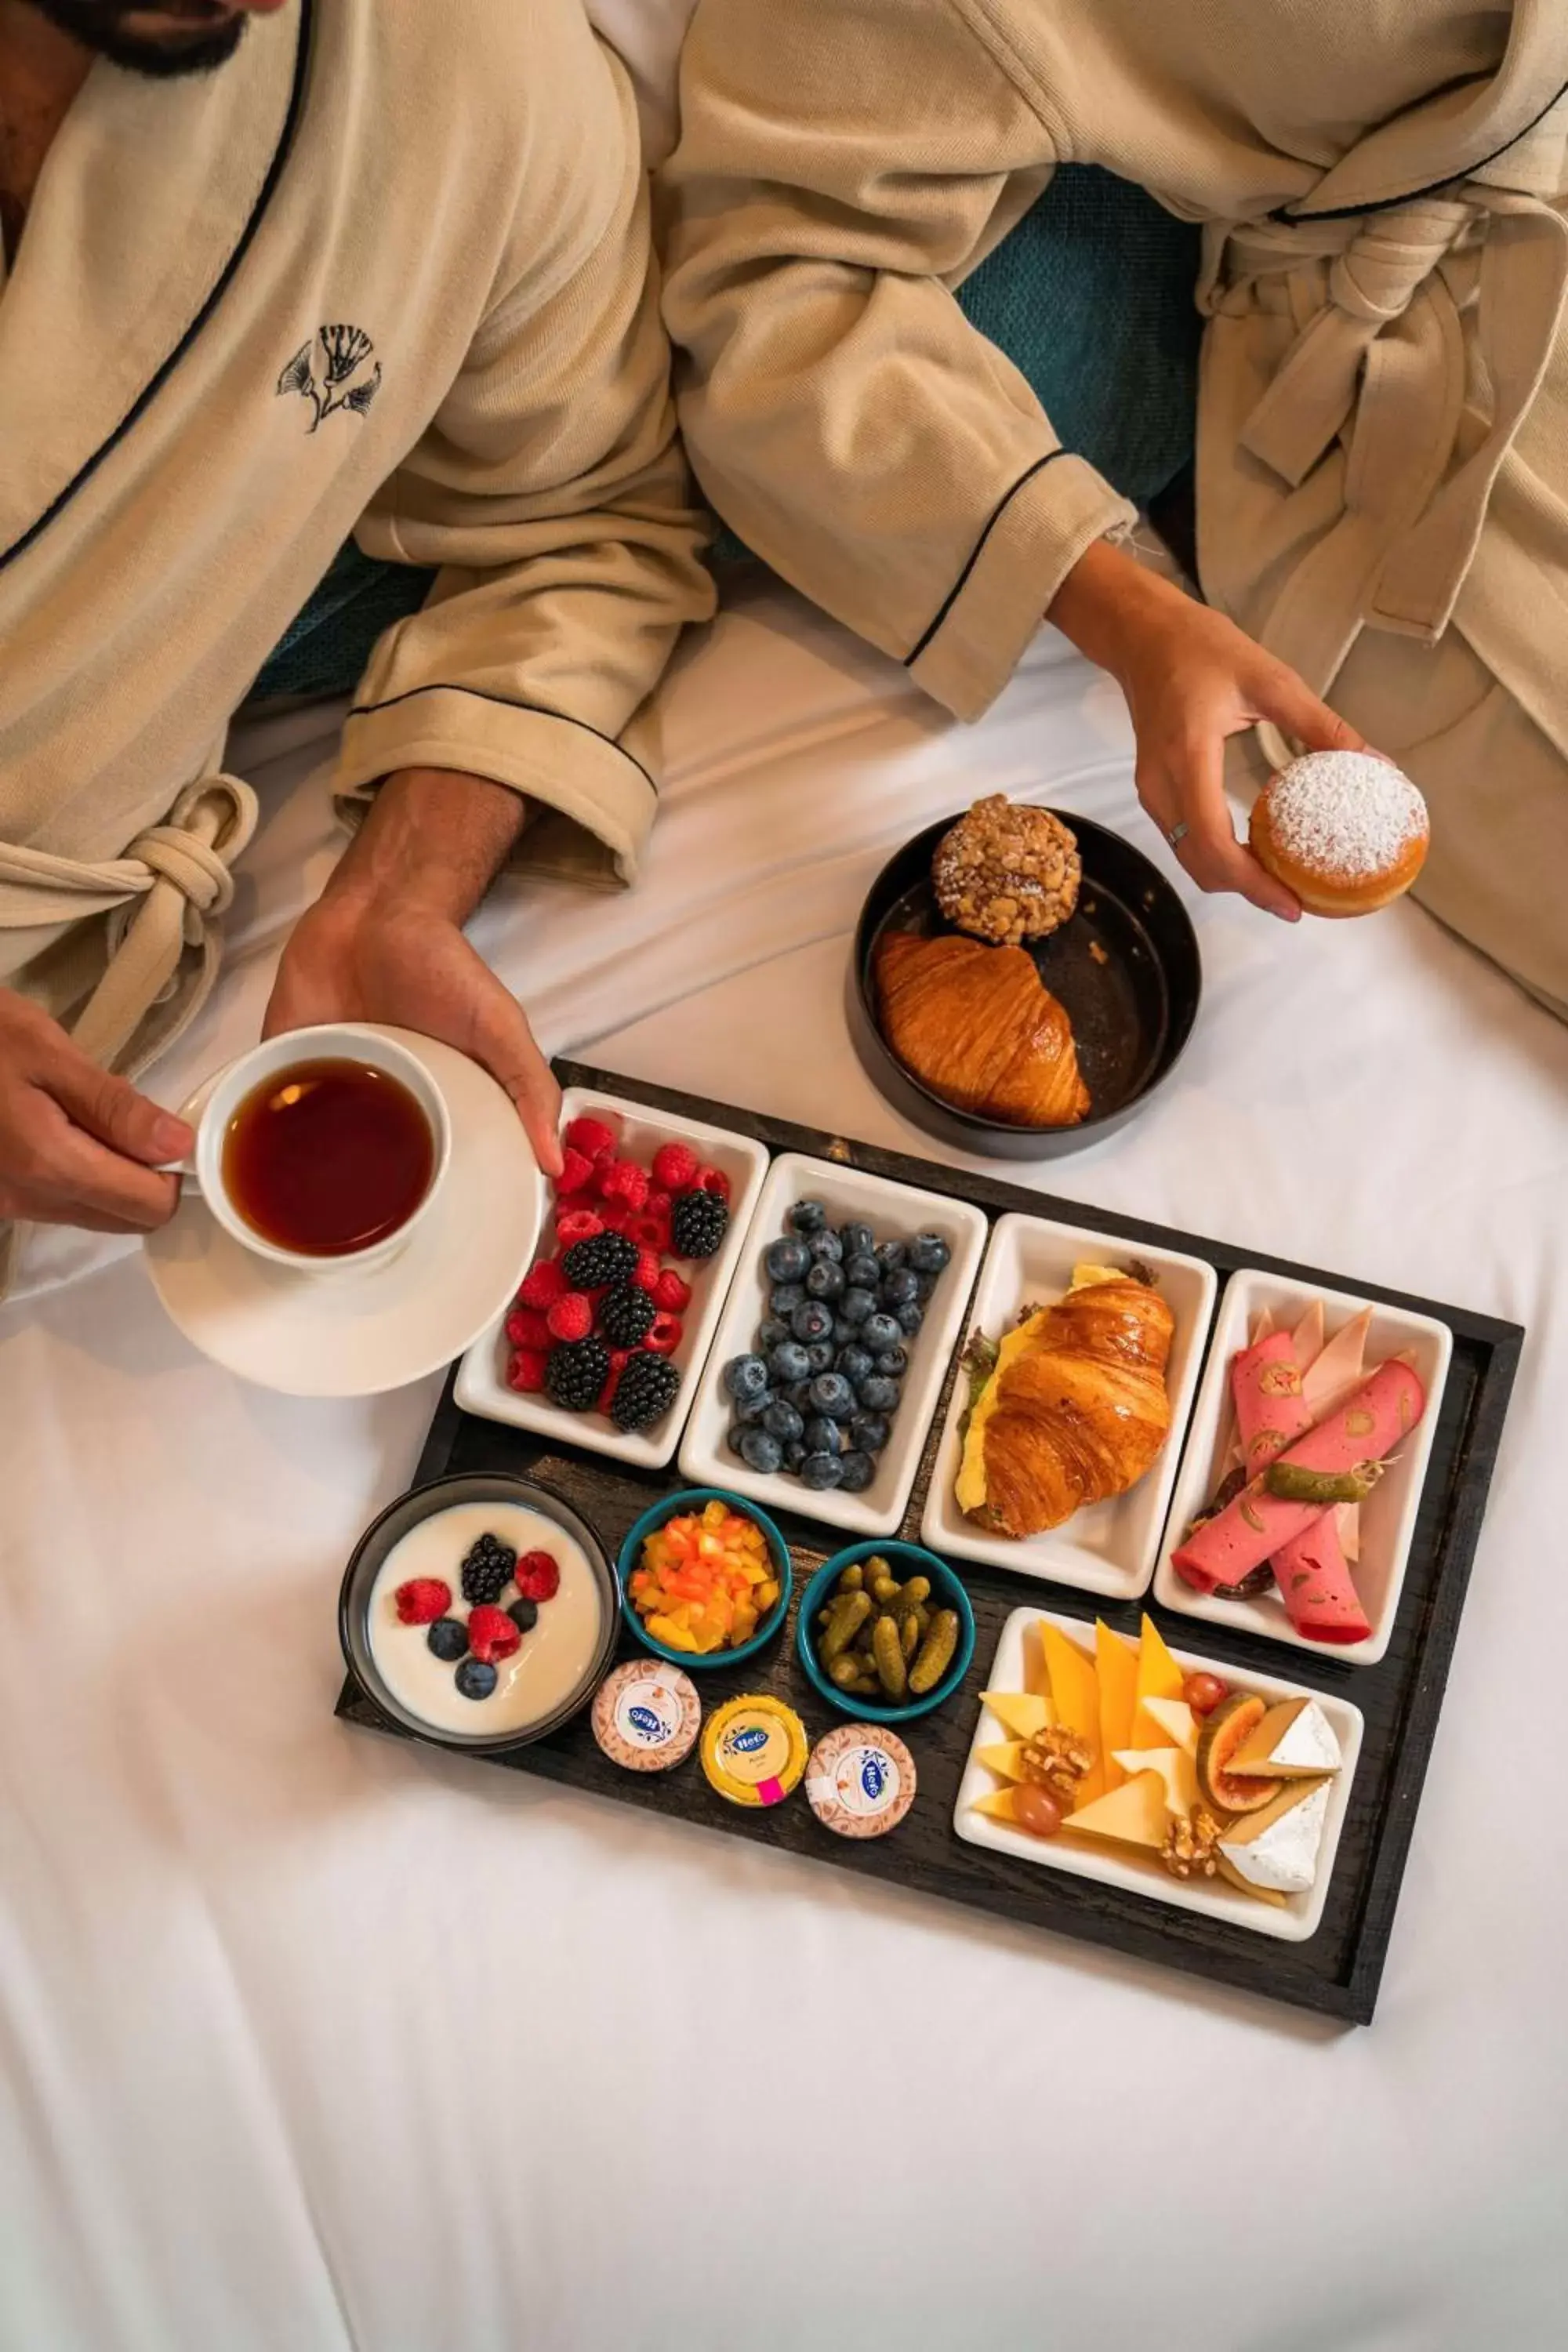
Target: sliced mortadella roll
(1315,1586)
(1256,1525)
(1269,1384)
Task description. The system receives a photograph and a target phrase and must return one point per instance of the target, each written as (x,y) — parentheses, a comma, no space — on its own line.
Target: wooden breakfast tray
(1338,1970)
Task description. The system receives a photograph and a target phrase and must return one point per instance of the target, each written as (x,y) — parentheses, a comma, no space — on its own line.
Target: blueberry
(857,1306)
(911,1318)
(869,1431)
(924,1284)
(832,1394)
(854,1364)
(475,1679)
(863,1272)
(733,1437)
(855,1472)
(746,1376)
(783,1421)
(820,1471)
(808,1217)
(784,1301)
(882,1332)
(823,1436)
(750,1410)
(788,1362)
(524,1615)
(889,1255)
(761,1453)
(929,1254)
(772,1334)
(901,1287)
(878,1395)
(788,1260)
(794,1454)
(845,1334)
(448,1637)
(859,1241)
(826,1243)
(819,1356)
(825,1279)
(798,1393)
(893,1363)
(812,1321)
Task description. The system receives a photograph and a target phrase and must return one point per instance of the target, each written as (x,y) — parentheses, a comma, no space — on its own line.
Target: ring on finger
(1176,834)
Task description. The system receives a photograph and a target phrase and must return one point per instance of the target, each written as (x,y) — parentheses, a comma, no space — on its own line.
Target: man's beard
(206,33)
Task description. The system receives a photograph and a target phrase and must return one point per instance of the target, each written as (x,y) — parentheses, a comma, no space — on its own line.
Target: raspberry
(671,1292)
(622,1180)
(571,1317)
(422,1599)
(592,1138)
(649,1232)
(576,1172)
(713,1179)
(538,1576)
(527,1328)
(616,1216)
(674,1166)
(543,1285)
(647,1276)
(665,1334)
(491,1634)
(578,1225)
(619,1359)
(660,1202)
(525,1372)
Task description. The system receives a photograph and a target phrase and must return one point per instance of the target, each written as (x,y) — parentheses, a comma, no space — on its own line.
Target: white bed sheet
(312,2041)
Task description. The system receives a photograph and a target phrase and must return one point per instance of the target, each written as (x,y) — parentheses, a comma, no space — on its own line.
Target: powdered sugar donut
(1346,832)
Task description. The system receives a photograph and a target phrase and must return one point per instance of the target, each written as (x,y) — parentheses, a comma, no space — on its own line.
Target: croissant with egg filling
(979,1027)
(1074,1409)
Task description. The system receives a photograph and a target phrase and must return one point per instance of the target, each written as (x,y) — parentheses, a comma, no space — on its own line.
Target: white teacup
(346,1041)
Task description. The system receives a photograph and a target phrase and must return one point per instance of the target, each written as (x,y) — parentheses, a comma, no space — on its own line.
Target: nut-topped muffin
(1007,872)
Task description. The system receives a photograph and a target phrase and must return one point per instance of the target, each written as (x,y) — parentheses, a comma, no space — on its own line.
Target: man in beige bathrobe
(277,271)
(1382,441)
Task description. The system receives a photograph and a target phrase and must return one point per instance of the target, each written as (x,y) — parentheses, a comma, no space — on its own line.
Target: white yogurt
(539,1675)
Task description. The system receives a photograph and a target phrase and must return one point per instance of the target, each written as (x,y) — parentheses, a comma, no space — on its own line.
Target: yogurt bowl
(427,1537)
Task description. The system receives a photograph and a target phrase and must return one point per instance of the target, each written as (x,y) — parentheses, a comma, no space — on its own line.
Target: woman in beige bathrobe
(381,267)
(1382,441)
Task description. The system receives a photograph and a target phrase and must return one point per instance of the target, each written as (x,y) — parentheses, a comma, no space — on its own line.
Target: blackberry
(696,1227)
(593,1265)
(648,1386)
(576,1371)
(486,1570)
(626,1315)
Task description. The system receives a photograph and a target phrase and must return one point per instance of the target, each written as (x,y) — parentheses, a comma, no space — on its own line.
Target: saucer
(351,1332)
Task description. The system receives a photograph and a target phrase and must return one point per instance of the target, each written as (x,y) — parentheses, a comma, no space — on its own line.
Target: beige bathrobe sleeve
(551,491)
(837,173)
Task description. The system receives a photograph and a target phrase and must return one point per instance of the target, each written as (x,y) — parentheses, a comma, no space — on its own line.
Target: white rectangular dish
(1297,1918)
(894,1213)
(1387,1517)
(1112,1547)
(481,1377)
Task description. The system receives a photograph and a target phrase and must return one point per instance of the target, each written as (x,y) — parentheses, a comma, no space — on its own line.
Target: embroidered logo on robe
(342,381)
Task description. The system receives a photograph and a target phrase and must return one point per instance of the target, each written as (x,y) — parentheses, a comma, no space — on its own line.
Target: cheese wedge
(1227,1869)
(1174,1721)
(998,1806)
(1133,1814)
(1116,1670)
(1176,1771)
(1159,1676)
(1084,1277)
(1295,1741)
(1035,1675)
(1005,1758)
(1276,1850)
(1075,1696)
(1023,1714)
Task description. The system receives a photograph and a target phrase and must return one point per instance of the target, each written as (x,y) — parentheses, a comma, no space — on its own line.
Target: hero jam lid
(754,1750)
(646,1716)
(860,1782)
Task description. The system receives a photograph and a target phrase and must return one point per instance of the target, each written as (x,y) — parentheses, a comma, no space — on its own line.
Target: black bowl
(1126,969)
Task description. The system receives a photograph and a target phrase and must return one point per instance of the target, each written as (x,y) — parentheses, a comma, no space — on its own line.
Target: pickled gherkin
(845,1620)
(846,1670)
(909,1636)
(889,1657)
(852,1580)
(936,1653)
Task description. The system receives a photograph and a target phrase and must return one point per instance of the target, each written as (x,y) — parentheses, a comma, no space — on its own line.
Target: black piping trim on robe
(959,585)
(1288,213)
(505,703)
(151,390)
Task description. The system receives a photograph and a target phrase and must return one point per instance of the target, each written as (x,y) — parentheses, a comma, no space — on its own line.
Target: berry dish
(479,1613)
(603,1343)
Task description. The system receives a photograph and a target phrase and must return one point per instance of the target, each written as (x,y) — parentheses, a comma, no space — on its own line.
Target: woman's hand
(384,942)
(1192,679)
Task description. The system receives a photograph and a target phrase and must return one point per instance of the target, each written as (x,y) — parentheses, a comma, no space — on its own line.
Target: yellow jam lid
(754,1750)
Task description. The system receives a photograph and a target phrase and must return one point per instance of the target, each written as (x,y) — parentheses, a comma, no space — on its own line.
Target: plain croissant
(978,1026)
(1076,1409)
